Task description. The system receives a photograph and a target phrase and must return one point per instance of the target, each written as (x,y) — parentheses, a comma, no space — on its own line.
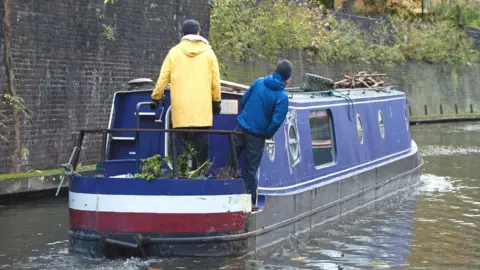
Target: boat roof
(298,96)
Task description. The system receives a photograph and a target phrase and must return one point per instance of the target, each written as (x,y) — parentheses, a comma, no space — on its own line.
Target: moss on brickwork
(23,175)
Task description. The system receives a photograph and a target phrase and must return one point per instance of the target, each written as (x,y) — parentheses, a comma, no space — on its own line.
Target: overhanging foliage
(247,30)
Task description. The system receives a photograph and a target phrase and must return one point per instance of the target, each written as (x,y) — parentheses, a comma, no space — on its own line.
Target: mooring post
(426,111)
(74,138)
(410,110)
(456,109)
(441,109)
(471,108)
(78,148)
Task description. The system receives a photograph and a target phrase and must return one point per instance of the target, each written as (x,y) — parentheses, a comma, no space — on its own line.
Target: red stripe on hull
(156,223)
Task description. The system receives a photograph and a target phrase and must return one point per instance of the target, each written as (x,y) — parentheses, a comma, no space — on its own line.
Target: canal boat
(338,150)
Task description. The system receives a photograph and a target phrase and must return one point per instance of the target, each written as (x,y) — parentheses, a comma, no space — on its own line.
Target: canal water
(435,225)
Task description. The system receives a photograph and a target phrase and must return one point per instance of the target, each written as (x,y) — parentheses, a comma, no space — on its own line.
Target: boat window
(359,129)
(322,137)
(270,148)
(407,123)
(293,144)
(381,124)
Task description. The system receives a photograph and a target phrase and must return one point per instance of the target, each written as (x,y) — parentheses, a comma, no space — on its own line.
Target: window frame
(359,120)
(333,150)
(380,127)
(293,160)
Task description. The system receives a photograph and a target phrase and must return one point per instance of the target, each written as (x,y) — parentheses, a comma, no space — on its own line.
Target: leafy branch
(109,32)
(18,105)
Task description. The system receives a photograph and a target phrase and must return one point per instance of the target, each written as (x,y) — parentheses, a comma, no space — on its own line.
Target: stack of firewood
(361,80)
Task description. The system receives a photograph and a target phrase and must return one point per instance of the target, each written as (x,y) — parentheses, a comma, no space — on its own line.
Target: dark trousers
(253,146)
(198,140)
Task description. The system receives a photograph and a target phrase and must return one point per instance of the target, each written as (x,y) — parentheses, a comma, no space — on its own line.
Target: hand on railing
(154,104)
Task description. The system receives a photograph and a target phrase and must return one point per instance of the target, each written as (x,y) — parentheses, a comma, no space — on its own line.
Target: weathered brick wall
(425,84)
(67,70)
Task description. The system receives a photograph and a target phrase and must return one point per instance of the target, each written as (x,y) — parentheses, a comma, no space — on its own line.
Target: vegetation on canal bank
(23,175)
(246,31)
(463,15)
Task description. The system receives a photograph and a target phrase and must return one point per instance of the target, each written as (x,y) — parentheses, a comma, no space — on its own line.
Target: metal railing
(105,132)
(70,167)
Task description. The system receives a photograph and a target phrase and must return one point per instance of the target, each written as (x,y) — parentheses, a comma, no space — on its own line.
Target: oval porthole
(293,143)
(270,148)
(381,124)
(407,123)
(359,129)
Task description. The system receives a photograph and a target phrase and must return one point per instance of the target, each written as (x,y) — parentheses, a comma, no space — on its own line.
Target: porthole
(293,143)
(381,124)
(407,123)
(270,148)
(359,129)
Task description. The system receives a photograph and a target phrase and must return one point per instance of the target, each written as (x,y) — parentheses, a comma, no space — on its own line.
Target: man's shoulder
(258,82)
(282,95)
(173,49)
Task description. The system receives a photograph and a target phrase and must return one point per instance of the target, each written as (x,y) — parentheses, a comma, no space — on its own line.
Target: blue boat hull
(280,217)
(284,216)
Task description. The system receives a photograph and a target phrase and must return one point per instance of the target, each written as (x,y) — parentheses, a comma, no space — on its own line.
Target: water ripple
(447,150)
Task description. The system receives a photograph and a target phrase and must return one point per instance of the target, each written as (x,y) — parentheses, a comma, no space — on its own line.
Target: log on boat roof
(233,87)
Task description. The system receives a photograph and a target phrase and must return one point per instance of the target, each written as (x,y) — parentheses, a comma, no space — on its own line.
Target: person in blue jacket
(265,106)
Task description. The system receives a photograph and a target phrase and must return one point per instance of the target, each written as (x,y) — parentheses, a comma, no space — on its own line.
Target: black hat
(284,68)
(190,27)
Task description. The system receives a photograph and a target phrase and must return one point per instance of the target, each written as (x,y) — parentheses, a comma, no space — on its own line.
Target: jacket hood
(193,45)
(274,82)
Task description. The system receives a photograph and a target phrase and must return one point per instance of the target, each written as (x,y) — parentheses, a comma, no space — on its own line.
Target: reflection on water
(433,226)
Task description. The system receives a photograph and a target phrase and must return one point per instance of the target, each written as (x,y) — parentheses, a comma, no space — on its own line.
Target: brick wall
(67,70)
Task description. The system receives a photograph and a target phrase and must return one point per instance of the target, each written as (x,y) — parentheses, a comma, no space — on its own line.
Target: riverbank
(15,186)
(430,119)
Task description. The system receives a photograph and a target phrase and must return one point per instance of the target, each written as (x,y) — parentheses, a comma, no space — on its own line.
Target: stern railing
(70,167)
(173,132)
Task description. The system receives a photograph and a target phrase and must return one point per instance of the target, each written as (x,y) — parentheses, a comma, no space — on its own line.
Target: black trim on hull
(120,245)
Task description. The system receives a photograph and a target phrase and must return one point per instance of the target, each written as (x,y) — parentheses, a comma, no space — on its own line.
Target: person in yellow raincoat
(191,69)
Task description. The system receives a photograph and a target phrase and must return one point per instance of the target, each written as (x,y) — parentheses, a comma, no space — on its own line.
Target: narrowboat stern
(337,151)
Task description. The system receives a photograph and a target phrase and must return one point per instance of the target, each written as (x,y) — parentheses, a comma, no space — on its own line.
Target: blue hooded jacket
(265,106)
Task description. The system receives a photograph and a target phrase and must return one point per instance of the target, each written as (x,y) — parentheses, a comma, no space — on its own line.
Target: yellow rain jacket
(191,68)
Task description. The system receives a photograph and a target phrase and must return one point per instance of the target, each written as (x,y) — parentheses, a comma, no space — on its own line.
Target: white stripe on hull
(160,204)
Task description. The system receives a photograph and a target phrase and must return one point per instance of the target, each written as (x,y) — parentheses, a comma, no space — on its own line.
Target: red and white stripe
(159,214)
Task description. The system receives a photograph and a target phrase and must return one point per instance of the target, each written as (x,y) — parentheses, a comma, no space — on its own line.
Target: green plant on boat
(153,167)
(183,163)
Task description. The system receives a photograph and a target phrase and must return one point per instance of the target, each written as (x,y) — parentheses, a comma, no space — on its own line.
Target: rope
(335,93)
(67,170)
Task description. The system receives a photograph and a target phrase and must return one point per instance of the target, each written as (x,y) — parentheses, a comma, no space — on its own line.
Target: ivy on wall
(247,30)
(108,30)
